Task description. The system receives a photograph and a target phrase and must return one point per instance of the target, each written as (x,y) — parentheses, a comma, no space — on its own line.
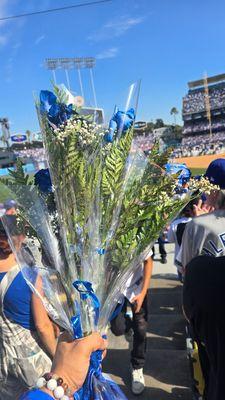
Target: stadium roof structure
(210,80)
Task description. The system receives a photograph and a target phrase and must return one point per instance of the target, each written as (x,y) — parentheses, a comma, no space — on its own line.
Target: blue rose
(58,113)
(42,179)
(121,121)
(124,120)
(181,169)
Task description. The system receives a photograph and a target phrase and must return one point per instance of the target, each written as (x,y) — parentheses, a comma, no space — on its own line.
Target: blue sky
(166,43)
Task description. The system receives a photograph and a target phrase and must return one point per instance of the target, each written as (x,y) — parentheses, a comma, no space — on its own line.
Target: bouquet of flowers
(89,231)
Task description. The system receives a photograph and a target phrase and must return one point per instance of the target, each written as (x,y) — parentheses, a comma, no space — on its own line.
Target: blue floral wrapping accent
(86,292)
(182,169)
(120,121)
(76,325)
(100,251)
(42,179)
(57,113)
(96,386)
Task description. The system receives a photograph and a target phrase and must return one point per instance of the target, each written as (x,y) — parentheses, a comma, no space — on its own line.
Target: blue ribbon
(76,324)
(86,292)
(100,251)
(96,385)
(120,121)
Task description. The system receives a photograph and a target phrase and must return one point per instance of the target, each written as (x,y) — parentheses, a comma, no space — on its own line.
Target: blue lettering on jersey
(208,252)
(222,238)
(217,251)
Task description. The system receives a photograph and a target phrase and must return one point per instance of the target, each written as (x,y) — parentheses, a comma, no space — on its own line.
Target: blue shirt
(36,394)
(17,302)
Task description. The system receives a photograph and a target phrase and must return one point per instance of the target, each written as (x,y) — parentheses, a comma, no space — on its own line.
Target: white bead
(52,384)
(40,383)
(59,392)
(65,397)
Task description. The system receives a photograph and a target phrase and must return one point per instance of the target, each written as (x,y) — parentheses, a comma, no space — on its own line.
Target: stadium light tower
(90,63)
(77,63)
(5,131)
(207,102)
(52,64)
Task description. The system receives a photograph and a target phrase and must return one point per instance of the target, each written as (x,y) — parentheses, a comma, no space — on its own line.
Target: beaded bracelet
(55,384)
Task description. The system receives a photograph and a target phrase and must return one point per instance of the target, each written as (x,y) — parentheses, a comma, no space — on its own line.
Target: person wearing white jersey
(205,234)
(136,296)
(176,230)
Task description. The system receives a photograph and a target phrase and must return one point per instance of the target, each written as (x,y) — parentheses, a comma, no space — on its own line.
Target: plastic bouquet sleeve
(110,204)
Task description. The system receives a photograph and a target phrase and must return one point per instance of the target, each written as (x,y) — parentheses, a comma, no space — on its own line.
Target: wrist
(71,384)
(56,386)
(144,292)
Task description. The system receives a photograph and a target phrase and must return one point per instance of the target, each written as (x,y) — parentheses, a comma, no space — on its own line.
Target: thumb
(134,299)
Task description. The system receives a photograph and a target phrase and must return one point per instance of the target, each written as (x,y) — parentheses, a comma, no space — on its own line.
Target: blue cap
(216,172)
(9,204)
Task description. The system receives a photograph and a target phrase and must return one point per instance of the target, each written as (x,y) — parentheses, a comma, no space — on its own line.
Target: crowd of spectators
(200,258)
(203,126)
(144,142)
(200,145)
(190,146)
(36,155)
(195,100)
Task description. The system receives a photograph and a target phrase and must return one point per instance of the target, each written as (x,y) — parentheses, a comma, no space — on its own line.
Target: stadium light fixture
(77,63)
(5,130)
(207,103)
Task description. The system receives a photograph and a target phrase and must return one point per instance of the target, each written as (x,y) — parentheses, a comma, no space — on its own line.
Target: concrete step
(166,281)
(165,302)
(166,332)
(166,373)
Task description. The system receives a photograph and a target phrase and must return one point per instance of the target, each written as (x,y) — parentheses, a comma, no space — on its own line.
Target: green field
(197,171)
(4,193)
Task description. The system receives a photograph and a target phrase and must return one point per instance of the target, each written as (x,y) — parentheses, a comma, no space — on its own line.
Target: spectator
(27,338)
(175,233)
(136,295)
(205,233)
(72,374)
(204,307)
(10,207)
(162,250)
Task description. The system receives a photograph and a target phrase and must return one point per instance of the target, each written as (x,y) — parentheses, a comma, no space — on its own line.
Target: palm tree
(174,112)
(28,134)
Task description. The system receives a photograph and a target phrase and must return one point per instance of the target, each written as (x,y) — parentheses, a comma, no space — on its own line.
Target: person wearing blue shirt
(70,367)
(27,336)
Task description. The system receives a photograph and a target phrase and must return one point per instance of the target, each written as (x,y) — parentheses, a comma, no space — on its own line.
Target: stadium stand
(204,106)
(31,154)
(195,100)
(192,146)
(204,118)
